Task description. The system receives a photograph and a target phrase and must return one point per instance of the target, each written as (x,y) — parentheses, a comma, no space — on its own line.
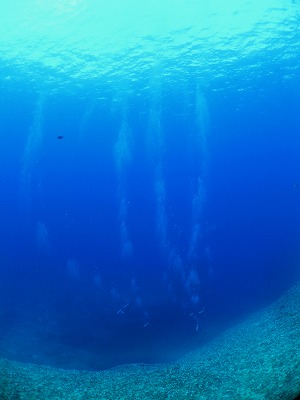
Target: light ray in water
(201,155)
(155,145)
(42,238)
(31,154)
(122,153)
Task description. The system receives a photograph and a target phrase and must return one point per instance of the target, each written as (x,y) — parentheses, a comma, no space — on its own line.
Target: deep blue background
(245,150)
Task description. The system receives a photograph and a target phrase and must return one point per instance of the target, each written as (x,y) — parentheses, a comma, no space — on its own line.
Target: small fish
(124,309)
(60,137)
(296,185)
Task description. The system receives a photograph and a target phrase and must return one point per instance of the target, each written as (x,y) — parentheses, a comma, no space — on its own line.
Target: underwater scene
(150,199)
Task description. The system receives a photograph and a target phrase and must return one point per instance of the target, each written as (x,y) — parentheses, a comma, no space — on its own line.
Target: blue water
(169,209)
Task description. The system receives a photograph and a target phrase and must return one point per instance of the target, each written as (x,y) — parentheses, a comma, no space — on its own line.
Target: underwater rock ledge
(257,359)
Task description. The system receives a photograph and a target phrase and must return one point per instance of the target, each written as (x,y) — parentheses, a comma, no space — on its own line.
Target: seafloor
(257,359)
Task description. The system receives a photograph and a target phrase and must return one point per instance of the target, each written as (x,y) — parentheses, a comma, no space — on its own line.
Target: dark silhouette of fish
(60,137)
